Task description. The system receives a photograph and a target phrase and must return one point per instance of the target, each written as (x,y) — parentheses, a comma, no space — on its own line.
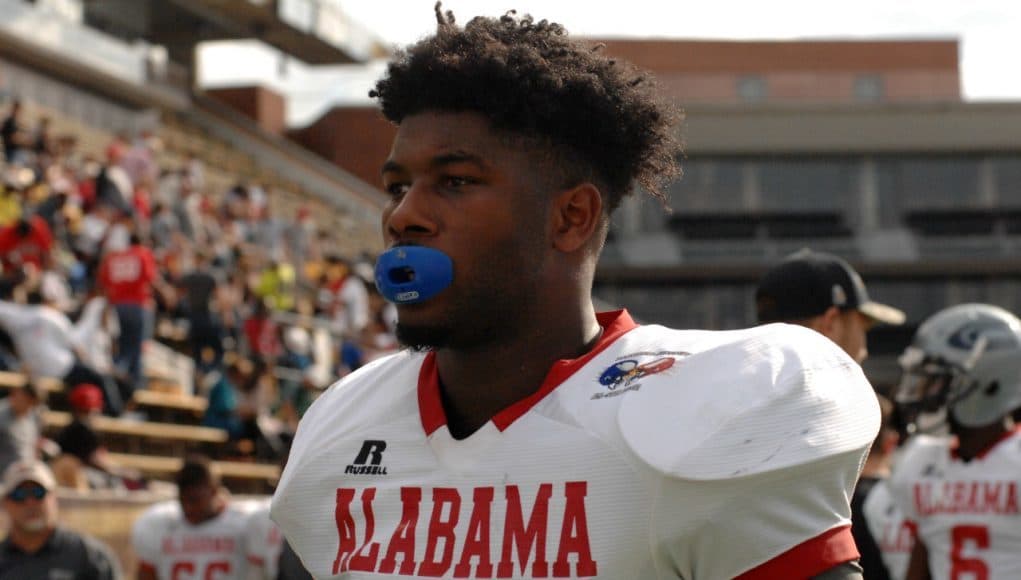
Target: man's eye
(397,189)
(457,181)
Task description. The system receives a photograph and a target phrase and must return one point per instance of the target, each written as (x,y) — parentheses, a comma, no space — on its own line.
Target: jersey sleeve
(906,470)
(779,397)
(787,523)
(145,535)
(258,548)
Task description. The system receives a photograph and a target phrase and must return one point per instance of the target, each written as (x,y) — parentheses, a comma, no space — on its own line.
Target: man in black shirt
(36,547)
(13,136)
(205,327)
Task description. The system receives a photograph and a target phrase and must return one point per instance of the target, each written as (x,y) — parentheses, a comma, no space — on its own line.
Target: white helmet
(966,359)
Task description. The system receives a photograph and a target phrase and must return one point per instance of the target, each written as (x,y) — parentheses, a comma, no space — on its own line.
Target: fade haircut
(600,118)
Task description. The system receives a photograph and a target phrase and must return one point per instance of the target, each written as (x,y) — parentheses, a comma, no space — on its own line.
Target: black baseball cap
(808,283)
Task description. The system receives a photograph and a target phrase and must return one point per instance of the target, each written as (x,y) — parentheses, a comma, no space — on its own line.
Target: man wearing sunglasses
(36,547)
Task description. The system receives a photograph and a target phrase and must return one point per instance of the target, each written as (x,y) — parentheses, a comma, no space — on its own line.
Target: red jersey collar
(615,324)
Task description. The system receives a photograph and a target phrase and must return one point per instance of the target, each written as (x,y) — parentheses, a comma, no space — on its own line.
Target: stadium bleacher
(262,203)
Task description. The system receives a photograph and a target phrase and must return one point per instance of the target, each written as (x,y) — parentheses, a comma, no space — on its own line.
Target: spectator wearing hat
(37,547)
(20,425)
(824,293)
(83,463)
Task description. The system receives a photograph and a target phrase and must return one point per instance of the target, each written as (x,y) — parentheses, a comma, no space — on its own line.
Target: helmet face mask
(965,363)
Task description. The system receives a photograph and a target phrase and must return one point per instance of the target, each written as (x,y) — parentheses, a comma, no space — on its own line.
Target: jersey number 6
(968,568)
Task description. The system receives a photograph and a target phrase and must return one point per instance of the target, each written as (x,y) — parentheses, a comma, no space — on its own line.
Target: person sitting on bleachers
(27,241)
(222,411)
(42,336)
(83,462)
(261,335)
(20,424)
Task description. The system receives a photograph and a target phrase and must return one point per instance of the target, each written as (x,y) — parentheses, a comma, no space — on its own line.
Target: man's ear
(829,321)
(577,214)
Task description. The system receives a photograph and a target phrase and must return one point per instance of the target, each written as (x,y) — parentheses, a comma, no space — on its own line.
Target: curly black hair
(601,117)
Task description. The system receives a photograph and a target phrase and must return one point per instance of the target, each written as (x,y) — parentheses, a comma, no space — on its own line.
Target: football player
(202,535)
(521,434)
(961,490)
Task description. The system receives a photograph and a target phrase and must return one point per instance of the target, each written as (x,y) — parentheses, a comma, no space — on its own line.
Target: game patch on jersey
(626,372)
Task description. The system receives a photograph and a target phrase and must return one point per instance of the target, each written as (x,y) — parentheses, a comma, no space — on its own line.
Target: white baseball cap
(24,470)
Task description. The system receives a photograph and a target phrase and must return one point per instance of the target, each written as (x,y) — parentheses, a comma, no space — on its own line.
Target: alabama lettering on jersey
(894,534)
(966,513)
(176,550)
(659,454)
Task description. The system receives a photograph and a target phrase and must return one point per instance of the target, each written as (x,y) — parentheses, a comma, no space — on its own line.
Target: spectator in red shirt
(127,275)
(26,241)
(262,334)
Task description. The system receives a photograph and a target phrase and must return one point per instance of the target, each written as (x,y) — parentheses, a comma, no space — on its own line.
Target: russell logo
(369,459)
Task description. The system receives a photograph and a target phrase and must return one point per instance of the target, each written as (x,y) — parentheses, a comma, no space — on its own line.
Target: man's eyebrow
(439,161)
(391,167)
(458,157)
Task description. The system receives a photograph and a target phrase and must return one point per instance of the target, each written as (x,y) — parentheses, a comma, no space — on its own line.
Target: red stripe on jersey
(825,551)
(615,324)
(253,559)
(429,405)
(912,527)
(146,567)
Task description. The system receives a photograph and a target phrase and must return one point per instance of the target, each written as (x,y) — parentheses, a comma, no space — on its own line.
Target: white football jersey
(966,513)
(894,534)
(658,454)
(264,542)
(213,550)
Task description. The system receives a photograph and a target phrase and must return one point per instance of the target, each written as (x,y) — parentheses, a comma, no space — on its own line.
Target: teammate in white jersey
(961,491)
(263,542)
(201,536)
(522,435)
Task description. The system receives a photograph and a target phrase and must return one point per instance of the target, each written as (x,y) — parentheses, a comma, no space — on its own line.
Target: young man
(961,491)
(824,293)
(36,546)
(200,536)
(128,275)
(522,435)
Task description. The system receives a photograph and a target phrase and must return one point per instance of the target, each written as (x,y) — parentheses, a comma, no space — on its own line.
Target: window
(751,89)
(868,88)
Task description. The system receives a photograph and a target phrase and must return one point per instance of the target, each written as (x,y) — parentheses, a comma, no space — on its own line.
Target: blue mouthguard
(412,274)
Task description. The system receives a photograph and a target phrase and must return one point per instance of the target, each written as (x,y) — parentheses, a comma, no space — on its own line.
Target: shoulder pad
(768,398)
(913,456)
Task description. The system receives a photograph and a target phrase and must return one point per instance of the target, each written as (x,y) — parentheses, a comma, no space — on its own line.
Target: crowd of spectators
(104,253)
